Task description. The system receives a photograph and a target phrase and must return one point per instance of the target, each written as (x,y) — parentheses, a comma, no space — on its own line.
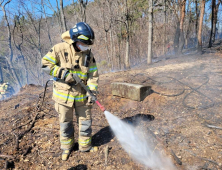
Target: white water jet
(137,146)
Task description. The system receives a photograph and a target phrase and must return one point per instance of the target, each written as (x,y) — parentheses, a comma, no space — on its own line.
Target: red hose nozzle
(101,107)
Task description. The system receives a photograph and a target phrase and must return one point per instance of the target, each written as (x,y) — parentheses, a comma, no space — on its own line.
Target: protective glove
(91,100)
(65,75)
(69,78)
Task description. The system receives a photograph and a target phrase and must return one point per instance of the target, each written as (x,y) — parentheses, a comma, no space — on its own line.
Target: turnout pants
(83,114)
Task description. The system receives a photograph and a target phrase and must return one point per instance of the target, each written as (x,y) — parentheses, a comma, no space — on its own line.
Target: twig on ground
(22,125)
(205,159)
(165,145)
(27,151)
(106,151)
(20,136)
(6,164)
(176,158)
(214,127)
(6,156)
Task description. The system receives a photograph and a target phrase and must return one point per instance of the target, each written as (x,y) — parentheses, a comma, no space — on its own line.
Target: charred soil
(182,115)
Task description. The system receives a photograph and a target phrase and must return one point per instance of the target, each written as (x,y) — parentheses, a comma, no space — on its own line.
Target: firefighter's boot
(92,149)
(65,154)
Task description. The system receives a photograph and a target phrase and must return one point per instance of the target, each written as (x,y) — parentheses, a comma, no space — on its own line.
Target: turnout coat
(63,55)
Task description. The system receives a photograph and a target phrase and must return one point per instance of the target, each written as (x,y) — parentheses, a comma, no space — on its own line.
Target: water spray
(131,141)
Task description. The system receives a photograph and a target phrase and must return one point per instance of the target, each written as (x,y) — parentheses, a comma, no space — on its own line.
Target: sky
(13,6)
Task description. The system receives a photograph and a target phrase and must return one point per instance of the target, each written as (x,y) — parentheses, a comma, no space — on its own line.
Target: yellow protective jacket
(64,55)
(3,88)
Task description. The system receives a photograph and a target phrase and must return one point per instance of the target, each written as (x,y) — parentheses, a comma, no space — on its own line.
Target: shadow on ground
(105,135)
(79,167)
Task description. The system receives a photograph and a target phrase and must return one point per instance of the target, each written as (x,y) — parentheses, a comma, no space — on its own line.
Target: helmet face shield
(82,32)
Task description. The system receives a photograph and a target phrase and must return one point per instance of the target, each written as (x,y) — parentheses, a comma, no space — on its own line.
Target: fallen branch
(20,136)
(176,158)
(166,146)
(22,125)
(6,164)
(212,126)
(106,151)
(28,150)
(6,156)
(205,159)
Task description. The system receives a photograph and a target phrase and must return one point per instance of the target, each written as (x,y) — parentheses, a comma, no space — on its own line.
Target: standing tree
(197,16)
(106,19)
(10,56)
(83,5)
(18,45)
(182,16)
(215,8)
(127,59)
(200,26)
(46,21)
(165,24)
(63,19)
(1,75)
(150,32)
(125,33)
(56,12)
(189,18)
(33,39)
(179,11)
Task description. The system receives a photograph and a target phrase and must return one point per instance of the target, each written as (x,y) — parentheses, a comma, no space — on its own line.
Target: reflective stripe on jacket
(63,55)
(3,88)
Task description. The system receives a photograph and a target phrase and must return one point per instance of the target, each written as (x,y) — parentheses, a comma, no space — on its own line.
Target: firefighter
(73,56)
(4,90)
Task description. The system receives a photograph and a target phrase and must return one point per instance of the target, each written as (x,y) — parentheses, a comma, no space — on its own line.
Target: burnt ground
(182,115)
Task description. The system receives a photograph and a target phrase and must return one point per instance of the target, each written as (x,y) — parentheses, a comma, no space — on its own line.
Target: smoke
(137,146)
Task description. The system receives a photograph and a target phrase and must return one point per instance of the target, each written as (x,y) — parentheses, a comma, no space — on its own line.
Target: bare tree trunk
(212,24)
(200,26)
(119,51)
(59,17)
(215,20)
(46,21)
(189,24)
(63,19)
(165,24)
(176,38)
(106,29)
(83,9)
(197,16)
(37,45)
(18,46)
(150,32)
(1,75)
(127,60)
(127,64)
(57,14)
(112,48)
(40,51)
(181,40)
(10,45)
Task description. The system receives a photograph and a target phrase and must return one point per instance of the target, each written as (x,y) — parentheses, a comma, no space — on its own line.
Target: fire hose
(94,99)
(79,81)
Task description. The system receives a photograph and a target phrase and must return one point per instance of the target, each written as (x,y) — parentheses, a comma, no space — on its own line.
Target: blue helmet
(82,32)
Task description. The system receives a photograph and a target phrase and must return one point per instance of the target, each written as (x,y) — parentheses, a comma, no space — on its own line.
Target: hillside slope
(182,117)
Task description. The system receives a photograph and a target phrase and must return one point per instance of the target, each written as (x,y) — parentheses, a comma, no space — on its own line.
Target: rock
(135,92)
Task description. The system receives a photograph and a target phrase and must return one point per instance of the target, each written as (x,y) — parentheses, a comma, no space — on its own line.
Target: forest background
(128,32)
